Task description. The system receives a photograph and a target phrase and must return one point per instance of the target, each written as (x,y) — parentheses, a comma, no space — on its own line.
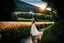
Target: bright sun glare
(43,6)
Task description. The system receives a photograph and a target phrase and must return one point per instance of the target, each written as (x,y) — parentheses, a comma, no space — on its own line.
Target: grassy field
(18,30)
(29,20)
(23,19)
(14,25)
(27,12)
(40,17)
(19,12)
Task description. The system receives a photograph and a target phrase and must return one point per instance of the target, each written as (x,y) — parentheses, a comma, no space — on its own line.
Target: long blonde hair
(33,20)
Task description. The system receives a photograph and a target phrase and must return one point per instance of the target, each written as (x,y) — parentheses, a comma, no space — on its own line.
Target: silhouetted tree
(56,33)
(7,8)
(58,4)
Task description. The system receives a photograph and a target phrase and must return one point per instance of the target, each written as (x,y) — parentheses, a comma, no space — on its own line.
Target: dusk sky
(38,3)
(34,2)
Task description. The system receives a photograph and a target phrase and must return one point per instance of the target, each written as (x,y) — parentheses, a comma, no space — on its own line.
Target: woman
(34,31)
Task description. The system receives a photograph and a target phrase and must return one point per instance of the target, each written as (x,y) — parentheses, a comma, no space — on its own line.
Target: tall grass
(15,30)
(11,25)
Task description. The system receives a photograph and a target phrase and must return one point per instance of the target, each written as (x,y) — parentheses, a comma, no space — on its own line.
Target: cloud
(30,0)
(34,2)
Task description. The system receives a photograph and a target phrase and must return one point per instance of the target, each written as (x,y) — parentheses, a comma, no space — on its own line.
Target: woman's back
(34,30)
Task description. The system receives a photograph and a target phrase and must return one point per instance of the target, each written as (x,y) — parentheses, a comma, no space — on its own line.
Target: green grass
(23,19)
(19,12)
(21,32)
(41,17)
(27,12)
(46,34)
(44,21)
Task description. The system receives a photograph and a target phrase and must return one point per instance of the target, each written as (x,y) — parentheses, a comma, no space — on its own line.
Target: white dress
(34,30)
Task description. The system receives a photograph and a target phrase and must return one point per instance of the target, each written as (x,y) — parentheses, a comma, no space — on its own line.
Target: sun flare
(43,6)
